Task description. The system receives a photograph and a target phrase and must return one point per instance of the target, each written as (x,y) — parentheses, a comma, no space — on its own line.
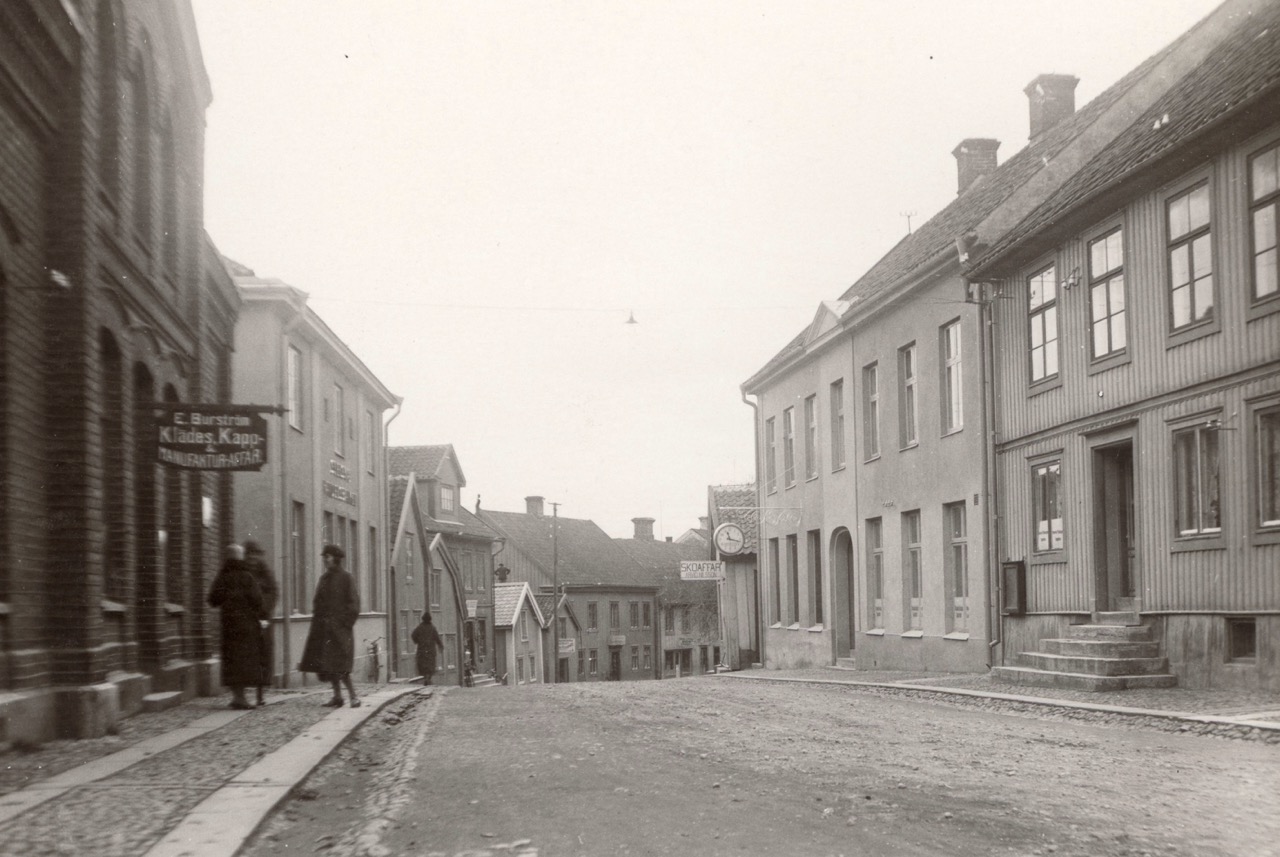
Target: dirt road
(717,767)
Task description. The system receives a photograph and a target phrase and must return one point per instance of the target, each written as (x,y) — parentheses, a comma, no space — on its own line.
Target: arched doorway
(147,605)
(845,596)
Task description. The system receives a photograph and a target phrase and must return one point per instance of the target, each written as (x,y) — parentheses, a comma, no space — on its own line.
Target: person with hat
(236,594)
(330,648)
(255,560)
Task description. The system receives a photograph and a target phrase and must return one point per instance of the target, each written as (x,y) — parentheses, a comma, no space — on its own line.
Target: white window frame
(1043,355)
(1197,487)
(871,411)
(908,410)
(789,447)
(1108,297)
(837,424)
(951,356)
(874,529)
(1192,239)
(811,437)
(912,570)
(1048,533)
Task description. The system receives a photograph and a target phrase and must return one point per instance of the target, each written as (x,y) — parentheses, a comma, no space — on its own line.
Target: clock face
(729,539)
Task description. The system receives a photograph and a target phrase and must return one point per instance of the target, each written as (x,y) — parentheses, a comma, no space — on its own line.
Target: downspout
(393,641)
(759,623)
(993,593)
(286,511)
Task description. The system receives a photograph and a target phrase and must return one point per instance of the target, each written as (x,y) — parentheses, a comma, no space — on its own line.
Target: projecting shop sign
(709,569)
(209,437)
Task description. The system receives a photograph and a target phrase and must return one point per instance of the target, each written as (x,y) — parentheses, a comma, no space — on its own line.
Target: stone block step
(1104,648)
(1078,681)
(1121,618)
(162,701)
(1103,666)
(1131,633)
(846,663)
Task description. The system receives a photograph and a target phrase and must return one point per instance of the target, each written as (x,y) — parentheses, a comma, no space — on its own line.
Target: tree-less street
(723,766)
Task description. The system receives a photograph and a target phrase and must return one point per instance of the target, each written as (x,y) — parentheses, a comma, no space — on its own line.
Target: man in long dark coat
(255,561)
(427,639)
(330,648)
(236,594)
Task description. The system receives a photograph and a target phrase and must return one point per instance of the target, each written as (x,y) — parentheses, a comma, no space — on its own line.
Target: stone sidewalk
(196,780)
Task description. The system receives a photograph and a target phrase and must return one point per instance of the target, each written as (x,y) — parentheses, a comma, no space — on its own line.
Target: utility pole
(555,592)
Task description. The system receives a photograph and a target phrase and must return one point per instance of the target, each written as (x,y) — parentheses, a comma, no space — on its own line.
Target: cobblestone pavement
(125,813)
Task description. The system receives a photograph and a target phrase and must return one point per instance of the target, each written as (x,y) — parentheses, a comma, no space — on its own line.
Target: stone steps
(161,701)
(1109,666)
(1028,676)
(1115,651)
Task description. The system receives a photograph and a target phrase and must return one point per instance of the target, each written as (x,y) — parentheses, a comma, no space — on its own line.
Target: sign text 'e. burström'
(209,437)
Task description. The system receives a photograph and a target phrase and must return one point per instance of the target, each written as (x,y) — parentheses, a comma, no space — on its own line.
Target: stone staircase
(483,680)
(1114,652)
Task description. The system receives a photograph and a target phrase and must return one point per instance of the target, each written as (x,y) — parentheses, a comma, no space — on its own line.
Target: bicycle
(375,661)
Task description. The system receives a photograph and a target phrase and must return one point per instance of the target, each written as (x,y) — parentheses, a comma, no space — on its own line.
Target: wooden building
(519,635)
(1136,329)
(739,597)
(111,302)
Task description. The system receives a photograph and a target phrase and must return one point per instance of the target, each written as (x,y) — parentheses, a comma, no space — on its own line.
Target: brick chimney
(704,523)
(1052,98)
(533,505)
(644,529)
(975,157)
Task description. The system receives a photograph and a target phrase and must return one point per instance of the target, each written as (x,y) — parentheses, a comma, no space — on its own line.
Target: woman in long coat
(236,594)
(330,648)
(254,560)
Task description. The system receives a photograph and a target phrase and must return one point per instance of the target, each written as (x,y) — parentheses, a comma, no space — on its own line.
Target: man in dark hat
(330,648)
(255,559)
(236,594)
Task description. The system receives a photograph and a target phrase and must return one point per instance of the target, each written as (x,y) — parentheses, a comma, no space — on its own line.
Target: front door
(1114,547)
(615,665)
(562,670)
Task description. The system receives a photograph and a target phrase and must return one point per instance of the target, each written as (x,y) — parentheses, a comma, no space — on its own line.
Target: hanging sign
(211,437)
(701,569)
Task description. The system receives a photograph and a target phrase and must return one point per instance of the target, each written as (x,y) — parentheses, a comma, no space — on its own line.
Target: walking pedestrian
(236,594)
(255,559)
(330,648)
(427,639)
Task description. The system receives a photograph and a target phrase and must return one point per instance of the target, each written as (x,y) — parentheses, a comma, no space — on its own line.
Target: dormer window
(446,498)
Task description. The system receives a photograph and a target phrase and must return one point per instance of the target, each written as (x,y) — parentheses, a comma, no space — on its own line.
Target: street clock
(729,539)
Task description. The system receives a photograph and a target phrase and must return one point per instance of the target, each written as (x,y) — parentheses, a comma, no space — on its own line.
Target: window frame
(339,420)
(1115,356)
(951,378)
(912,570)
(775,572)
(836,400)
(788,447)
(1193,329)
(814,550)
(873,537)
(1258,306)
(771,456)
(957,572)
(871,411)
(294,387)
(908,398)
(1260,531)
(1037,318)
(793,579)
(811,437)
(1201,427)
(1039,504)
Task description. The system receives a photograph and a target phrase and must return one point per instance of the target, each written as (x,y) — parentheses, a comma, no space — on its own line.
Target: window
(870,411)
(810,437)
(482,639)
(615,615)
(582,663)
(789,447)
(770,456)
(1046,502)
(446,498)
(1190,257)
(533,668)
(635,658)
(339,420)
(450,650)
(520,670)
(775,572)
(815,573)
(1268,467)
(295,387)
(952,378)
(353,549)
(911,569)
(837,424)
(1106,294)
(1195,463)
(648,657)
(370,441)
(793,579)
(669,620)
(1242,639)
(524,624)
(635,614)
(593,662)
(435,586)
(907,396)
(647,615)
(298,543)
(875,574)
(562,625)
(1264,199)
(593,615)
(1042,303)
(956,559)
(375,572)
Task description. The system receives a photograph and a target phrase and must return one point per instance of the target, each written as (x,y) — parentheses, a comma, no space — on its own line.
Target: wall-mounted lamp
(1073,279)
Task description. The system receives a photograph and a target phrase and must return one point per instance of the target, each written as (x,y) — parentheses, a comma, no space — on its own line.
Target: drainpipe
(759,623)
(286,512)
(995,615)
(393,642)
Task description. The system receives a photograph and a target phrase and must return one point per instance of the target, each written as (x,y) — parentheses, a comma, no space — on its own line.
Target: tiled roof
(737,504)
(422,460)
(399,486)
(587,555)
(937,236)
(545,604)
(1243,67)
(507,599)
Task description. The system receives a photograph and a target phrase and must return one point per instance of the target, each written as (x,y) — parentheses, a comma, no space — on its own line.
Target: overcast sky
(478,195)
